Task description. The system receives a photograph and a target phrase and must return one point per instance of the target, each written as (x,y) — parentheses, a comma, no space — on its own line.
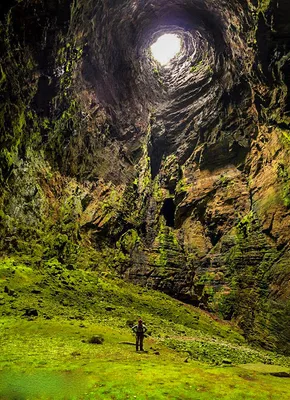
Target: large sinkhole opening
(165,48)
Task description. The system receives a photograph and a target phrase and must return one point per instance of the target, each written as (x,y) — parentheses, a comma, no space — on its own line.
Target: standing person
(139,330)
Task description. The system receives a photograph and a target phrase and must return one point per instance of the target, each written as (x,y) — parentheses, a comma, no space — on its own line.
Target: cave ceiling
(191,97)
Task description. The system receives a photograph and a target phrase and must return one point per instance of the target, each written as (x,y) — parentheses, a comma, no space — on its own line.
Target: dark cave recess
(188,96)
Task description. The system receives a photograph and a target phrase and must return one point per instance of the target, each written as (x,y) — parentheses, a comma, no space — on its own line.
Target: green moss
(283,175)
(145,182)
(224,180)
(286,136)
(157,192)
(248,273)
(207,277)
(195,68)
(244,227)
(73,305)
(129,240)
(89,296)
(182,186)
(2,76)
(264,5)
(19,124)
(167,250)
(7,158)
(46,123)
(67,58)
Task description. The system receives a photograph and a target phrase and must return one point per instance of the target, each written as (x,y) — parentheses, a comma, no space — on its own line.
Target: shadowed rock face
(190,95)
(176,176)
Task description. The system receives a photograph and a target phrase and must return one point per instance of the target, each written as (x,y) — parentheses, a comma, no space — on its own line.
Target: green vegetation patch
(50,315)
(219,353)
(283,176)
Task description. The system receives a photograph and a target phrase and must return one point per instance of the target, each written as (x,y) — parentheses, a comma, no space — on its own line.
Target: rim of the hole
(160,49)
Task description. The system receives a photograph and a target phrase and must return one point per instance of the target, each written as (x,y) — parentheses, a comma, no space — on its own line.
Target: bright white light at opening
(165,48)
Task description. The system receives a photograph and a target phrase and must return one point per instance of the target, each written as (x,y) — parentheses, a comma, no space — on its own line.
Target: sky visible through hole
(165,48)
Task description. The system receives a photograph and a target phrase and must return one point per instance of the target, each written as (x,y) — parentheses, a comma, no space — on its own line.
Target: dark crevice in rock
(168,211)
(265,46)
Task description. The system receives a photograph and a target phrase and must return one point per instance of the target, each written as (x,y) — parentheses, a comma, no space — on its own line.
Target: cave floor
(49,316)
(53,360)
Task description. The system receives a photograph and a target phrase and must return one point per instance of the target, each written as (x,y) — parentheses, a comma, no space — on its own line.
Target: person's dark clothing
(139,341)
(140,330)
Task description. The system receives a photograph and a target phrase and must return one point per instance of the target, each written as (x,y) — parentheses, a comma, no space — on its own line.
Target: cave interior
(176,176)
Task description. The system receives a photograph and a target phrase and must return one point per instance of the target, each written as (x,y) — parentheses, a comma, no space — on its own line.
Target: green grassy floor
(189,354)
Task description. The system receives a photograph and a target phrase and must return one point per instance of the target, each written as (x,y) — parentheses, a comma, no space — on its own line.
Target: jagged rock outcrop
(175,176)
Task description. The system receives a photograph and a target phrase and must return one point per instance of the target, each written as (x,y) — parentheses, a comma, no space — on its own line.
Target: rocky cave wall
(176,177)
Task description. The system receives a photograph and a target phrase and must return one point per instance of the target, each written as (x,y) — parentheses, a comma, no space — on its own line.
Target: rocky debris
(10,292)
(79,317)
(75,354)
(271,368)
(30,312)
(36,291)
(281,374)
(110,308)
(96,339)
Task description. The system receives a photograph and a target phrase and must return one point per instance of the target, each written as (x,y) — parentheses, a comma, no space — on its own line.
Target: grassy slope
(50,356)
